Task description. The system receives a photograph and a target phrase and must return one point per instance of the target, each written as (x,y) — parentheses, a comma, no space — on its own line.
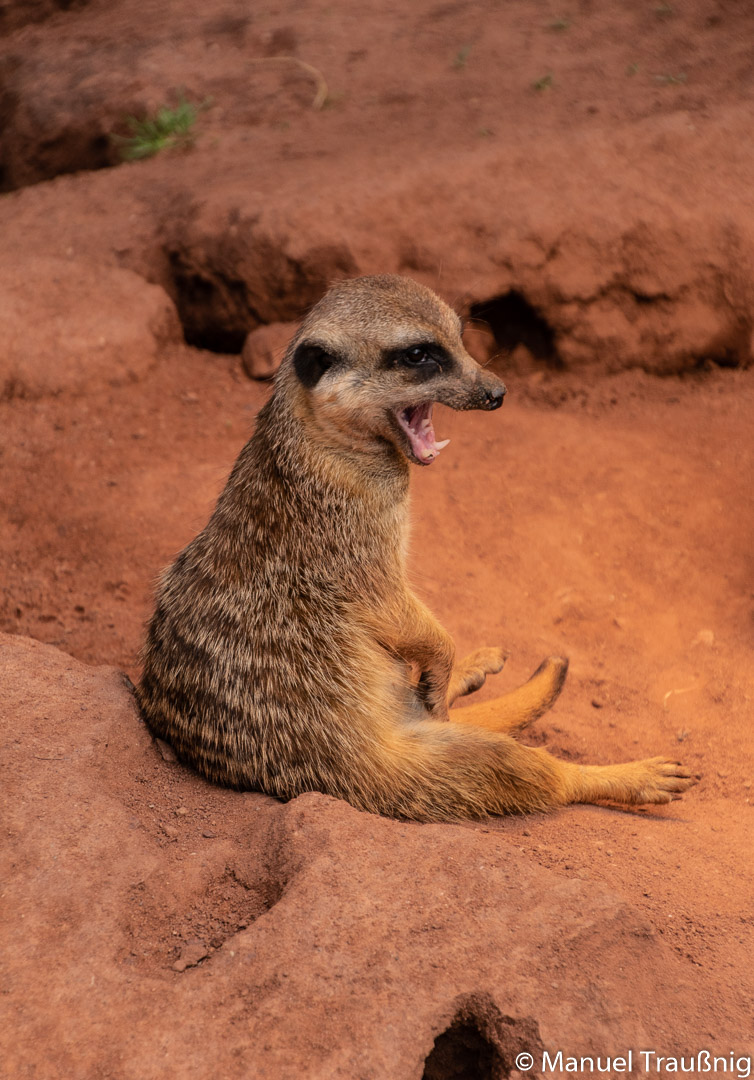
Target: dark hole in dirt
(73,150)
(13,15)
(463,1053)
(513,321)
(214,312)
(727,358)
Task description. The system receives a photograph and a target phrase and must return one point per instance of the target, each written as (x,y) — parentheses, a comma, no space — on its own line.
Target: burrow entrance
(214,311)
(481,1043)
(514,321)
(463,1053)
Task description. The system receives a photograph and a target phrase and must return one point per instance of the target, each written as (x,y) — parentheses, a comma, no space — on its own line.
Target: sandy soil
(594,167)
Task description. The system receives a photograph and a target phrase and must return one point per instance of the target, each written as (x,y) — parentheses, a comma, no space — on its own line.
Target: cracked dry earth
(597,227)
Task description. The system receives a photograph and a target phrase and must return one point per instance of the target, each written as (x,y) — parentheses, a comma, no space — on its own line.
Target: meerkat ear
(310,362)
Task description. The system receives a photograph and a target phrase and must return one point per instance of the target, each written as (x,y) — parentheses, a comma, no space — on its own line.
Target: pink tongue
(422,434)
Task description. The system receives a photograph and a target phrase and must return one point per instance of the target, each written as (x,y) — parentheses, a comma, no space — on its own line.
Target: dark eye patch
(424,359)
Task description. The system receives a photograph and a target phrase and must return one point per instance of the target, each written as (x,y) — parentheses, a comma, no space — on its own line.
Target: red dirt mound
(144,902)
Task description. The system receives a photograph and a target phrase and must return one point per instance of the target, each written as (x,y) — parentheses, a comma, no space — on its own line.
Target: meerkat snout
(494,397)
(374,357)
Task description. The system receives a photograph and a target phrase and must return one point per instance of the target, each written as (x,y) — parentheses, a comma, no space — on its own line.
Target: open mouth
(416,421)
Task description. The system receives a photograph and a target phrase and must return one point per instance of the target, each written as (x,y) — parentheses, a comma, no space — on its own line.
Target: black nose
(494,398)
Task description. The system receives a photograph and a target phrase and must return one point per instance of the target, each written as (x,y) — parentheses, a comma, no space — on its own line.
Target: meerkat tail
(514,711)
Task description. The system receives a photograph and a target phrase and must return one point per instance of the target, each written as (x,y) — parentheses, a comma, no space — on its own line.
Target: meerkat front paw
(473,670)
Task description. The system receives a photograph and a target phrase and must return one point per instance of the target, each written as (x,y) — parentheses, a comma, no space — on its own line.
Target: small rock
(192,953)
(167,753)
(264,348)
(704,637)
(170,832)
(597,704)
(181,811)
(209,835)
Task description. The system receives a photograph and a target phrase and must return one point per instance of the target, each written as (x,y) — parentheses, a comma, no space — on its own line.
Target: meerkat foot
(473,670)
(654,780)
(514,711)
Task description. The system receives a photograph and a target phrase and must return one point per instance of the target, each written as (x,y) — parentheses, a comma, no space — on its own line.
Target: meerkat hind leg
(654,780)
(515,710)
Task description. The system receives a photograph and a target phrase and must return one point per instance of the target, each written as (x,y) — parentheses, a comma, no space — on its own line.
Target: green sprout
(169,129)
(461,57)
(545,83)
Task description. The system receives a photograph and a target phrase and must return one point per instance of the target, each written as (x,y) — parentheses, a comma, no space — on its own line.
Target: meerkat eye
(425,359)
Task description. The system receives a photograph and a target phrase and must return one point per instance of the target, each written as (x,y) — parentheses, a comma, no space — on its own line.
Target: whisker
(463,296)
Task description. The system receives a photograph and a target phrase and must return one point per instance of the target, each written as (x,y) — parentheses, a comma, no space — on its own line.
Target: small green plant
(169,129)
(545,83)
(664,11)
(559,24)
(632,69)
(461,57)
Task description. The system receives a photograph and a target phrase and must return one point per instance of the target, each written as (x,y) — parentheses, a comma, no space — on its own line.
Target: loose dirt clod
(192,953)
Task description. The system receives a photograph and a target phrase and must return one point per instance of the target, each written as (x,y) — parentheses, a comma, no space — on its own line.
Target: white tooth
(441,445)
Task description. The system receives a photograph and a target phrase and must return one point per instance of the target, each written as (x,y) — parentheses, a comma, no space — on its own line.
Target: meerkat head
(371,360)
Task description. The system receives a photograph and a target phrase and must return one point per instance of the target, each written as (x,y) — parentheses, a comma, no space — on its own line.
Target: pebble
(192,953)
(167,753)
(264,348)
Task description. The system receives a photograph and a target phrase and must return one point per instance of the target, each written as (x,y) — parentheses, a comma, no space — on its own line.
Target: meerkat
(287,652)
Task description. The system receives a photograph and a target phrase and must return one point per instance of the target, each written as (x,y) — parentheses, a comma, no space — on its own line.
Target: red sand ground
(606,516)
